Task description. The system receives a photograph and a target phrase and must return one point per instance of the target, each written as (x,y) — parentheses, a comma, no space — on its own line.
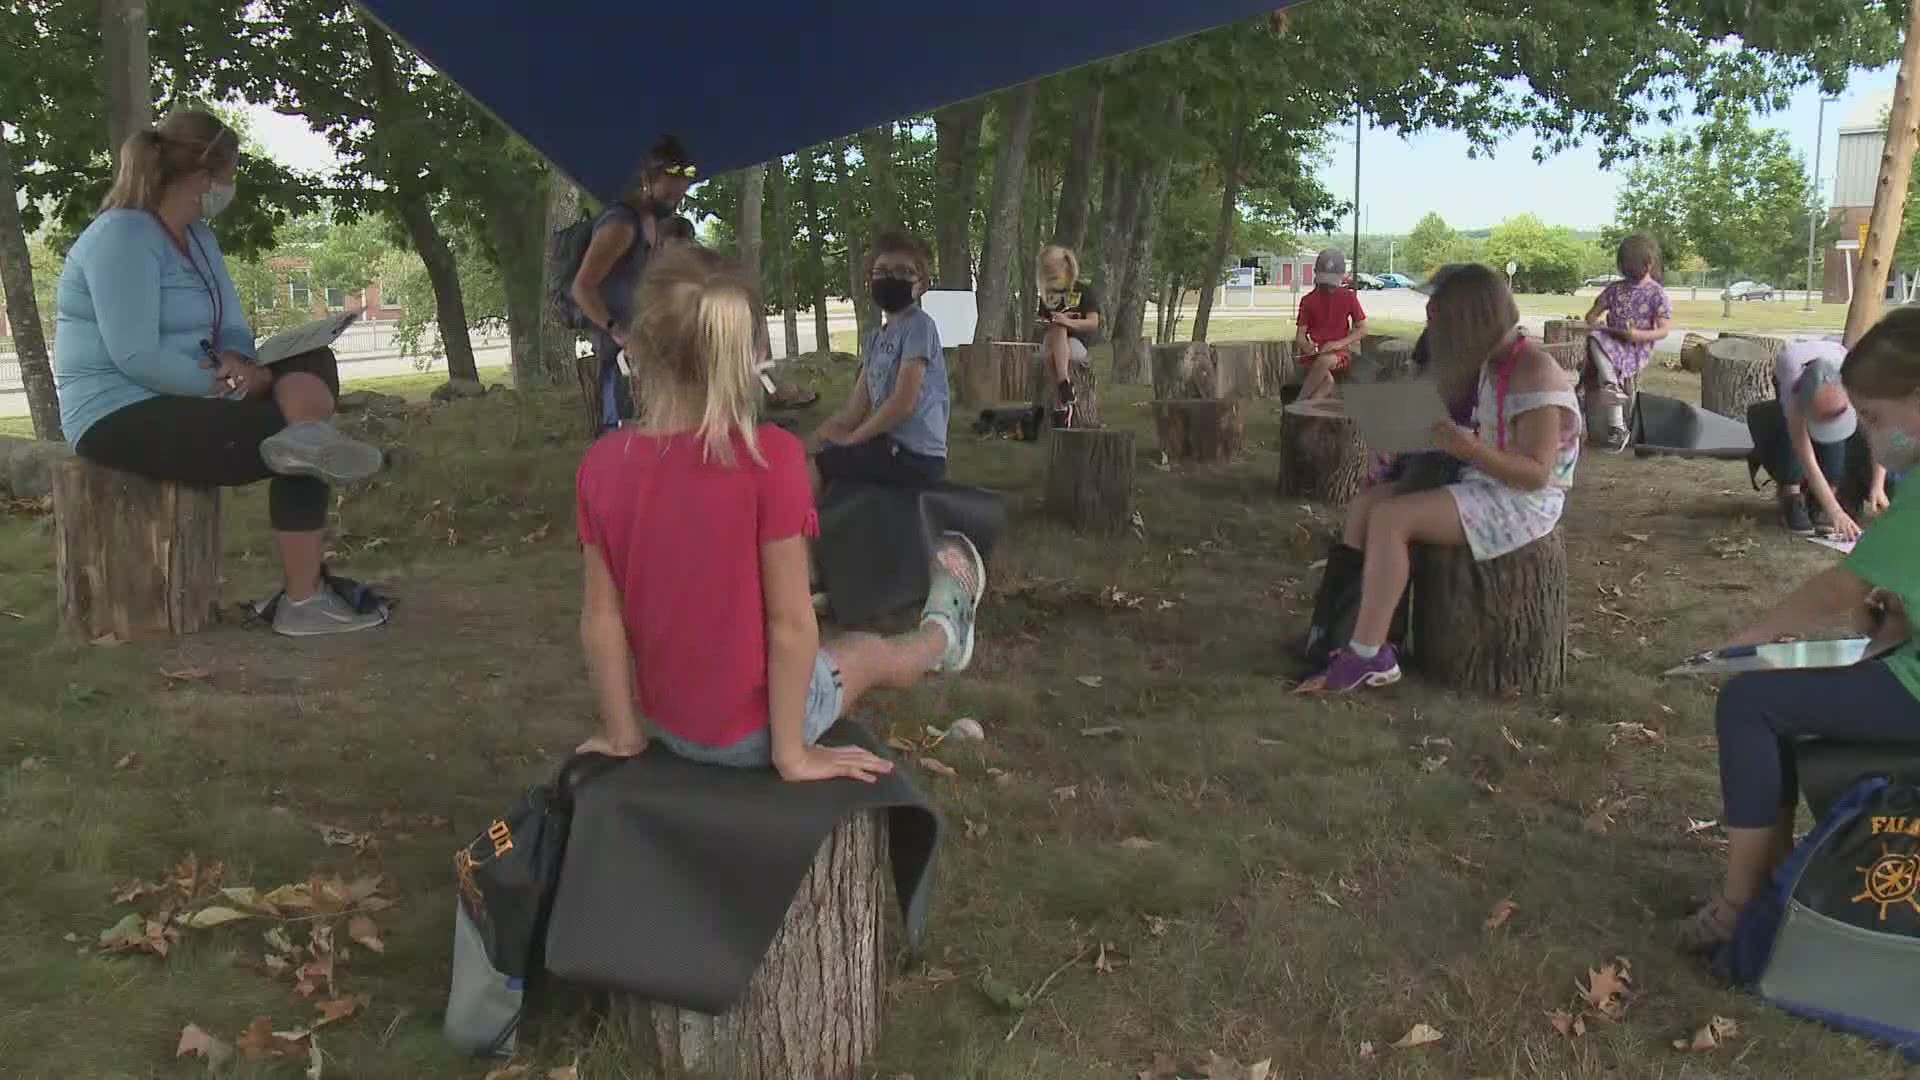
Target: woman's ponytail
(153,158)
(137,182)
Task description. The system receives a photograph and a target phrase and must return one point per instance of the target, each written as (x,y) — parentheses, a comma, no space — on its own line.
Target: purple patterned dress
(1631,306)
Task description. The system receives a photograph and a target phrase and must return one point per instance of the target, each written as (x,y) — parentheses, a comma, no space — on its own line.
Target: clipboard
(1787,656)
(1396,417)
(304,338)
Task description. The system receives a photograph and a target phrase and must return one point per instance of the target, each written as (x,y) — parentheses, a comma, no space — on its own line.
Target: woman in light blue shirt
(154,361)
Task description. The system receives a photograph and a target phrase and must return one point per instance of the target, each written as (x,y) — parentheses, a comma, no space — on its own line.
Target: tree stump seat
(1240,370)
(1183,370)
(1090,479)
(1001,373)
(135,558)
(1738,374)
(1494,628)
(812,1011)
(1321,457)
(1200,430)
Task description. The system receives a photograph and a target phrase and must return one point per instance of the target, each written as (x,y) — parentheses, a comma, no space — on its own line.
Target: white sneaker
(316,448)
(320,614)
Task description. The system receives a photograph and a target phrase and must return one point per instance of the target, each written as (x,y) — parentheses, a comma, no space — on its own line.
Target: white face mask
(1893,448)
(216,199)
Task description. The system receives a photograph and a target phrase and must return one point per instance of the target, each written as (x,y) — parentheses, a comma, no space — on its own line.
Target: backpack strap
(1502,381)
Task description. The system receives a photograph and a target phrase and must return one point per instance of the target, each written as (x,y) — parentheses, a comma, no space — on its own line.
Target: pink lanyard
(214,299)
(1502,379)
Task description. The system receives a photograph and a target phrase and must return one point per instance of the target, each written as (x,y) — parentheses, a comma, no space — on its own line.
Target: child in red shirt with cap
(1331,322)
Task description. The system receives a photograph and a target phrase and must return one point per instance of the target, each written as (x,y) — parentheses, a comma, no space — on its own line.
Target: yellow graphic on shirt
(1067,300)
(1891,879)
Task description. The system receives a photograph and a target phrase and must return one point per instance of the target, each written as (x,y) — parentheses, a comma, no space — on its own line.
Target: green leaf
(1002,994)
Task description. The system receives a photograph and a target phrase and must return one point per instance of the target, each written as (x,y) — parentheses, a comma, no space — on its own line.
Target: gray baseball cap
(1834,428)
(1330,267)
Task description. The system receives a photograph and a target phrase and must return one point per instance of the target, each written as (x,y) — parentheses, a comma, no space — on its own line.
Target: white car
(1748,290)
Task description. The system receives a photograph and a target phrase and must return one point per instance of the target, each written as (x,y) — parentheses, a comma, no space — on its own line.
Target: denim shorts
(824,694)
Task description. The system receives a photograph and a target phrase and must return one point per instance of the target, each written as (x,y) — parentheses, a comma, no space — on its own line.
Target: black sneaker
(1793,512)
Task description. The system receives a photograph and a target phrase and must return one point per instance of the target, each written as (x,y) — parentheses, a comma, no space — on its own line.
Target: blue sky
(1402,179)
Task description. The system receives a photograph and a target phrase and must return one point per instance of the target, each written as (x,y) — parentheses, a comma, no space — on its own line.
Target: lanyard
(214,299)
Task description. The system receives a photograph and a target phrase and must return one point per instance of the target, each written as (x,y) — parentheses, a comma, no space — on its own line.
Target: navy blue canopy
(592,83)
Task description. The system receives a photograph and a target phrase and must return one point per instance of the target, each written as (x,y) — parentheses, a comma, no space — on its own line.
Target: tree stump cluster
(1739,373)
(994,373)
(1183,370)
(812,1011)
(1561,331)
(1321,458)
(1494,628)
(1200,430)
(136,558)
(1388,358)
(1090,479)
(1240,370)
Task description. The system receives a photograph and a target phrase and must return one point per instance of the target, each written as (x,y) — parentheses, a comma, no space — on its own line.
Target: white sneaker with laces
(320,614)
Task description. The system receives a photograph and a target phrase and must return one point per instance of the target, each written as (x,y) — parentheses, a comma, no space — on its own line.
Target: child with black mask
(893,429)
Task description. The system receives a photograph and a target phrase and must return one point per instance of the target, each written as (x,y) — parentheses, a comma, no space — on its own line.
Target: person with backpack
(1760,715)
(1514,486)
(608,272)
(694,525)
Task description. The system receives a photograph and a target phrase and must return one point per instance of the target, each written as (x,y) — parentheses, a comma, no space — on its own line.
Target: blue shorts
(824,694)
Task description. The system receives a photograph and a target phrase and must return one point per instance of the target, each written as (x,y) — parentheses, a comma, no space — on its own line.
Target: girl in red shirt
(694,524)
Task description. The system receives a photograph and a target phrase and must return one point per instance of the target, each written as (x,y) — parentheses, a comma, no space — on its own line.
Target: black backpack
(564,253)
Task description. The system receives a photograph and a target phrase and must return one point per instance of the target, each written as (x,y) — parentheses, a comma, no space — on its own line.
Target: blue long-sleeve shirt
(133,314)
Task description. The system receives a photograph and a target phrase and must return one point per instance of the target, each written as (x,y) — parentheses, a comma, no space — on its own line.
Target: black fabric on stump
(877,543)
(1669,426)
(678,874)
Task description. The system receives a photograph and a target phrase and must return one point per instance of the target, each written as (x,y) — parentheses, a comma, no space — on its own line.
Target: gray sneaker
(322,613)
(315,448)
(959,583)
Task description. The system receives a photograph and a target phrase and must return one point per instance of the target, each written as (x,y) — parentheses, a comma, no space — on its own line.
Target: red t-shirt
(1325,313)
(682,536)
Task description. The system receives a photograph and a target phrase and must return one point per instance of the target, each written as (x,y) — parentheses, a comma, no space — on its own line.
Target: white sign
(955,314)
(1240,279)
(1511,267)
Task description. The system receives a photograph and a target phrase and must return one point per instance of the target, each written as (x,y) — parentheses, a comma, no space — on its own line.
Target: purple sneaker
(1349,672)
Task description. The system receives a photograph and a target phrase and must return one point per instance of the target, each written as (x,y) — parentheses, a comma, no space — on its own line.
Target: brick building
(1863,139)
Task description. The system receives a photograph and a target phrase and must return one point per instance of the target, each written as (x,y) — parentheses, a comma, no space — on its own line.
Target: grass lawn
(1318,873)
(1704,315)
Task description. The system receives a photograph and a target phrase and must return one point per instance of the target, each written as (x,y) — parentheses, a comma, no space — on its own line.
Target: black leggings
(214,442)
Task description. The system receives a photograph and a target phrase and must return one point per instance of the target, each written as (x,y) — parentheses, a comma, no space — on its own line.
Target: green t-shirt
(1888,557)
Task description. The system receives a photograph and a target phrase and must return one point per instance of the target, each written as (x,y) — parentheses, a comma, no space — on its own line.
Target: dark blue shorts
(880,461)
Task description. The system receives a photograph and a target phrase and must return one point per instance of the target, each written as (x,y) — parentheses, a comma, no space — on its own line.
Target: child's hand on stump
(832,763)
(612,746)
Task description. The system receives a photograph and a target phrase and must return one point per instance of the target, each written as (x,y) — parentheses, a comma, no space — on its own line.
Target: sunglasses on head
(685,171)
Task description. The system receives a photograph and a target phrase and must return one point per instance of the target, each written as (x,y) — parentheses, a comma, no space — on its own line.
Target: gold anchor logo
(1891,879)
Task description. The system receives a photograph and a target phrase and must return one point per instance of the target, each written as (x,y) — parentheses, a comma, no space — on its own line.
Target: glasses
(685,171)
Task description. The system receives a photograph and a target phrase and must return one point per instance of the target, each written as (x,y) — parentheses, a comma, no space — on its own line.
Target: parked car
(1601,281)
(1363,281)
(1748,290)
(1396,281)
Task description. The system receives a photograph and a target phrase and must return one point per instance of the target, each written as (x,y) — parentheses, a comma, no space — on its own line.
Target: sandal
(1710,927)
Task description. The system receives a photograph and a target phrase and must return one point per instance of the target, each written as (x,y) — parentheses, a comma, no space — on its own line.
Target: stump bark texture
(1090,479)
(994,373)
(812,1011)
(1041,391)
(1560,331)
(1390,358)
(1239,370)
(1693,353)
(1767,343)
(1200,429)
(1570,355)
(1183,370)
(1494,628)
(1739,373)
(1131,362)
(1321,458)
(136,558)
(1278,366)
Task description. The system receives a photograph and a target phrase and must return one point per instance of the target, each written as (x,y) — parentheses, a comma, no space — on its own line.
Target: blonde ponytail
(733,384)
(184,143)
(696,352)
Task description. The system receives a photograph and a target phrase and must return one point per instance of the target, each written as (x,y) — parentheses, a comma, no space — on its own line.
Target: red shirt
(682,536)
(1325,313)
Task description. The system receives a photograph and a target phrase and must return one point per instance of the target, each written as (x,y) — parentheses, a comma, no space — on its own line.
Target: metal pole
(1357,121)
(1813,212)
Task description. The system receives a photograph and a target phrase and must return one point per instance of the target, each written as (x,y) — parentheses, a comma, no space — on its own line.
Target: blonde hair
(1471,313)
(1050,253)
(186,142)
(695,350)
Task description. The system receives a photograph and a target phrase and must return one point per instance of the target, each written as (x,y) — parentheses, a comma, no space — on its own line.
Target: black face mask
(893,294)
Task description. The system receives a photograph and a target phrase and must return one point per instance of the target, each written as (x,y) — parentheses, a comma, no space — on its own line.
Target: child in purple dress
(1627,318)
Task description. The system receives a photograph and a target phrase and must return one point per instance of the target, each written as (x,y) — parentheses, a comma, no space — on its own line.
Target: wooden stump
(1389,358)
(1570,355)
(1739,373)
(1183,370)
(1200,429)
(1040,390)
(1278,366)
(1239,370)
(1321,457)
(1090,479)
(1693,353)
(1768,344)
(812,1011)
(586,371)
(136,558)
(995,373)
(1131,362)
(1494,628)
(1561,331)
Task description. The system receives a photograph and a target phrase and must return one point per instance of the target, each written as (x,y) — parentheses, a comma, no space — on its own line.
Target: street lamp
(1813,212)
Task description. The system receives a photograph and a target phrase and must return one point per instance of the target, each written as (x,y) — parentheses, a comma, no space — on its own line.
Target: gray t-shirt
(617,288)
(911,335)
(1793,360)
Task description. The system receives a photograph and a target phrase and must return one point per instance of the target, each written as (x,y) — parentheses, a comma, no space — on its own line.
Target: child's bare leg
(1354,534)
(867,661)
(1319,381)
(1054,344)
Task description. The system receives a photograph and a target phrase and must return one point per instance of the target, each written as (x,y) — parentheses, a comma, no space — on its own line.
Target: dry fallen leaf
(1433,764)
(937,767)
(32,764)
(975,829)
(1419,1035)
(260,1041)
(1091,681)
(127,761)
(1695,826)
(334,1010)
(1067,792)
(565,1072)
(1567,1024)
(334,836)
(209,917)
(1639,537)
(1096,732)
(1609,988)
(1163,1068)
(1101,964)
(1156,926)
(278,940)
(195,1042)
(1717,1030)
(1511,741)
(363,932)
(1139,843)
(1366,1050)
(1502,911)
(192,674)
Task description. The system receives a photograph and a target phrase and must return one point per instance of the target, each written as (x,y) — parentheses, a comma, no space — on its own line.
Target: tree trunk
(1739,373)
(1239,370)
(1130,310)
(816,252)
(1229,209)
(812,1011)
(1182,370)
(124,70)
(136,558)
(956,168)
(1321,457)
(747,230)
(23,308)
(1090,479)
(402,177)
(876,152)
(1119,206)
(1003,214)
(783,238)
(559,344)
(865,316)
(1890,194)
(519,252)
(1200,430)
(1497,628)
(1076,185)
(1099,215)
(1025,301)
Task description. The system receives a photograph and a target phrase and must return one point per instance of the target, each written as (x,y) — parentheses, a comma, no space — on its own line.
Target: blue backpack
(1836,936)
